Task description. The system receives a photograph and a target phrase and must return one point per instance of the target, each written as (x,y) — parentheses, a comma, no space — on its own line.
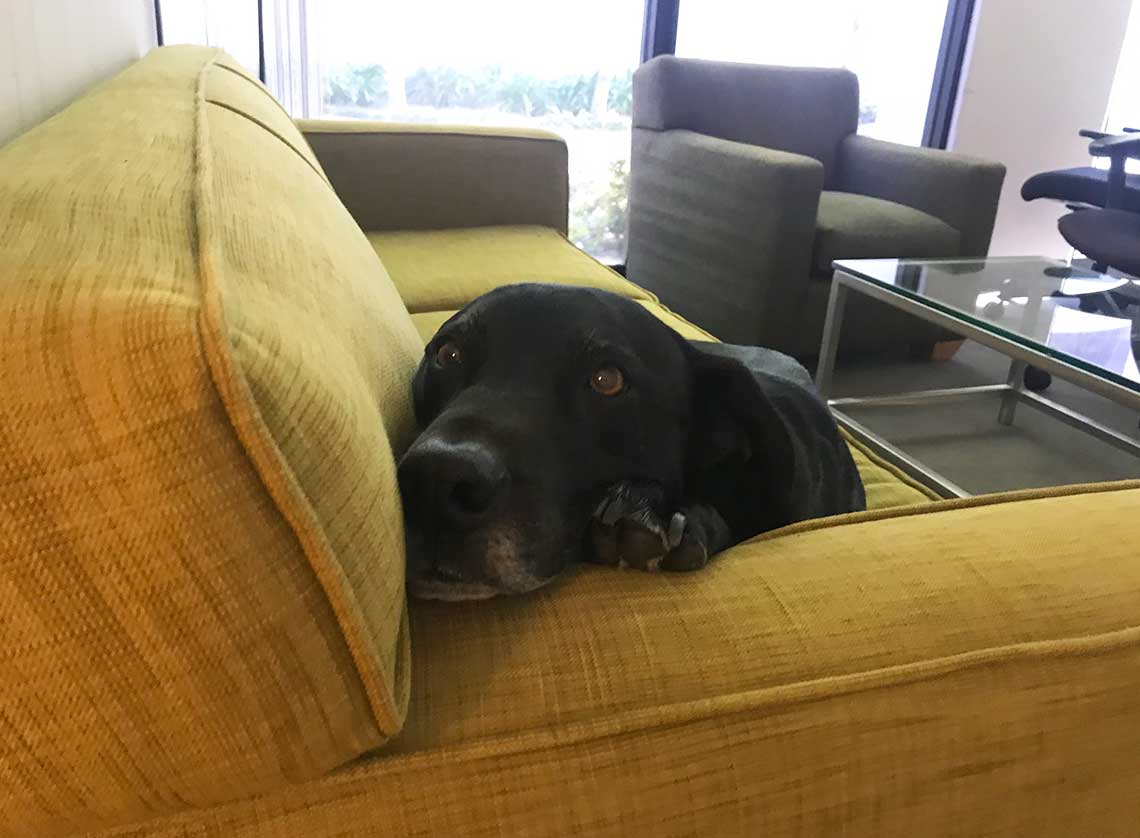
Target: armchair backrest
(798,109)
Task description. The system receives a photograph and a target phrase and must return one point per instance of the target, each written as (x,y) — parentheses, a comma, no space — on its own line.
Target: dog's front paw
(630,529)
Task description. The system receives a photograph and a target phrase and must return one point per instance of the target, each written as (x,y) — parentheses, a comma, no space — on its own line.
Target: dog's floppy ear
(425,412)
(738,440)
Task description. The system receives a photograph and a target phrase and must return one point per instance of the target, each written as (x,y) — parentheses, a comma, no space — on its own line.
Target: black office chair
(1110,236)
(1088,186)
(1104,224)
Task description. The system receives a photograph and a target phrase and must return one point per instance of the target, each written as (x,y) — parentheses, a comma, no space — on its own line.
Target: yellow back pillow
(203,377)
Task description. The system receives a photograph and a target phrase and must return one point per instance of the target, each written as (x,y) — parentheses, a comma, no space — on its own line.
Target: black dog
(565,423)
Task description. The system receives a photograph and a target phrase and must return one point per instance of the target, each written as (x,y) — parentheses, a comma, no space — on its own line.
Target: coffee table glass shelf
(1059,319)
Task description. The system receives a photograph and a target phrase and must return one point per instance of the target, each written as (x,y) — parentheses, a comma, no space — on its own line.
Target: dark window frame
(659,32)
(261,41)
(948,70)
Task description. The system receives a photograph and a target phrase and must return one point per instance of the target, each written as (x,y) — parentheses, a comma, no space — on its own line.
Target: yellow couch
(204,369)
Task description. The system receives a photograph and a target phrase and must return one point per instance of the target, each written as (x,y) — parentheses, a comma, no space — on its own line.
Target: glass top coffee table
(1029,309)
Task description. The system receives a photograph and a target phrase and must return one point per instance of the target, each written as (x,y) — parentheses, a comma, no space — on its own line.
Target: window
(565,67)
(219,23)
(891,45)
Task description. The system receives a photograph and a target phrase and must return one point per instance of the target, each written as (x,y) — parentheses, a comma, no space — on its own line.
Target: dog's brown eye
(608,381)
(448,354)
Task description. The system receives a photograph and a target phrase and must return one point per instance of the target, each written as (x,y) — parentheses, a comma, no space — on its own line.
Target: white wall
(1037,72)
(51,51)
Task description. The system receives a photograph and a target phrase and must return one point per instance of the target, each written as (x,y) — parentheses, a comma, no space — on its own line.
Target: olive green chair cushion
(446,269)
(850,226)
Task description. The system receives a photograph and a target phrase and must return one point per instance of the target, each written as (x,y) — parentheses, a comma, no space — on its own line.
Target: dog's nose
(456,484)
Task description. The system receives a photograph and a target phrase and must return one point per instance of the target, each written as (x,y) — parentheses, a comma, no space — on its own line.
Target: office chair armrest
(1090,134)
(1116,145)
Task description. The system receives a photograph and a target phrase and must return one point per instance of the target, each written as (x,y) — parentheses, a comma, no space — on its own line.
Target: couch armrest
(963,668)
(963,191)
(721,230)
(429,177)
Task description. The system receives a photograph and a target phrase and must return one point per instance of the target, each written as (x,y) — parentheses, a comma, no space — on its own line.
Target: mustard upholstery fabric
(439,270)
(228,86)
(952,669)
(204,373)
(886,487)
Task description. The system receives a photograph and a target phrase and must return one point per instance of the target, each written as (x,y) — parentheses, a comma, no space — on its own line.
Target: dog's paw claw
(676,529)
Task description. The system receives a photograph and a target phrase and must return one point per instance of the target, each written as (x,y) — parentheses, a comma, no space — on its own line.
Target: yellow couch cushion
(437,270)
(939,671)
(227,85)
(204,374)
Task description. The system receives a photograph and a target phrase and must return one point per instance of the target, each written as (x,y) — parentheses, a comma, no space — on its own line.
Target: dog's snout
(454,484)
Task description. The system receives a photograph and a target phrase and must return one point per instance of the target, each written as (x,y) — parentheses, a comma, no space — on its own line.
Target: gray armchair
(747,181)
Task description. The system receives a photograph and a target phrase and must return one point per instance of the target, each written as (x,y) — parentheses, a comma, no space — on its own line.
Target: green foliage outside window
(621,94)
(598,215)
(361,85)
(488,87)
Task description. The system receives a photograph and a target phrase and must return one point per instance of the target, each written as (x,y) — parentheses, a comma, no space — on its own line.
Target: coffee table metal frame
(1012,391)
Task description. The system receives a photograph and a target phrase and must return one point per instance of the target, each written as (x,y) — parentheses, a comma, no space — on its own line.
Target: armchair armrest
(722,230)
(963,191)
(421,177)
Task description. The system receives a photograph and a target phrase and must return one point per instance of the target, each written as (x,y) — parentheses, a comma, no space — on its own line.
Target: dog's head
(533,400)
